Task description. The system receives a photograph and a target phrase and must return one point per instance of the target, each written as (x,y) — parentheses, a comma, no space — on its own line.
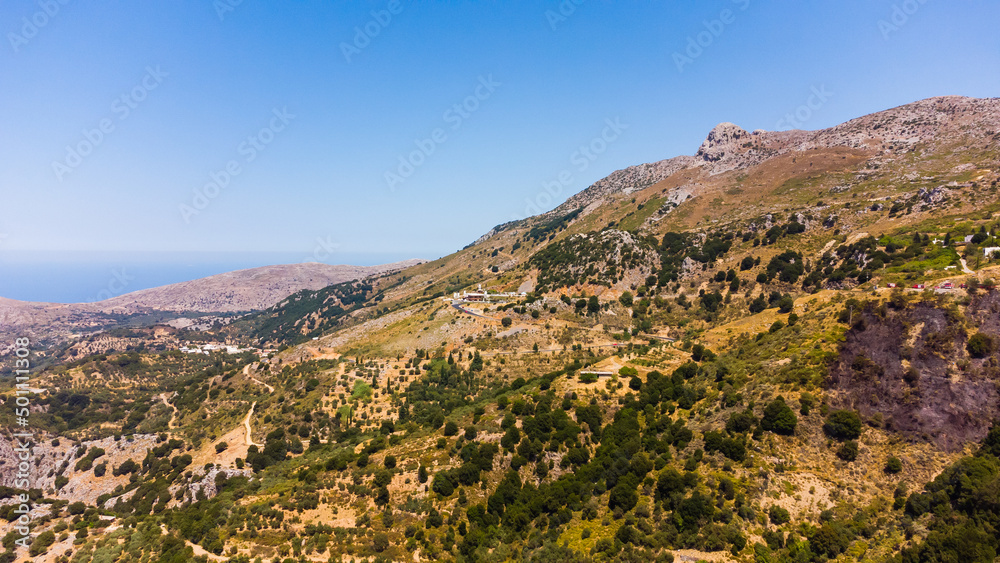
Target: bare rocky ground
(83,485)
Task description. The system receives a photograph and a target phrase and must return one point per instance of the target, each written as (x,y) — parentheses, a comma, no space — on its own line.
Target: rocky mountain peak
(723,139)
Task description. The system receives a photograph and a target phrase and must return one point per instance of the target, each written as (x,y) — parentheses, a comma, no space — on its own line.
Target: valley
(781,348)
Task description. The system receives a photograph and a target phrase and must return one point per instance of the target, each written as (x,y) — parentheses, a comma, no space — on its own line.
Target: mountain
(783,347)
(232,292)
(245,290)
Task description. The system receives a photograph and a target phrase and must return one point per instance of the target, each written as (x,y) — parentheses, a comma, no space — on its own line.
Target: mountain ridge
(729,147)
(249,289)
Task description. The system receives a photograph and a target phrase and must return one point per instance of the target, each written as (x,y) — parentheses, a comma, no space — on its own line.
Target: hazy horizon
(60,277)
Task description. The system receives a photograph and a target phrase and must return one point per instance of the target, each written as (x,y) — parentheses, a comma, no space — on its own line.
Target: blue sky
(184,93)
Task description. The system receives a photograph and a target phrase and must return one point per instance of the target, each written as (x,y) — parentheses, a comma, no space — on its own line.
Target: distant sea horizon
(84,277)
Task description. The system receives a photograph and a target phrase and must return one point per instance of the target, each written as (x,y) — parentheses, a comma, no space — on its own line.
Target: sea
(85,277)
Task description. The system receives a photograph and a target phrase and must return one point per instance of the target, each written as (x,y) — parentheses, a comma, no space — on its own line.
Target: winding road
(246,372)
(248,432)
(246,426)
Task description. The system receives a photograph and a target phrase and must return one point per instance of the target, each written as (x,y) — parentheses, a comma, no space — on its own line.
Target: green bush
(893,465)
(848,451)
(778,515)
(980,345)
(806,402)
(843,425)
(443,484)
(778,417)
(42,543)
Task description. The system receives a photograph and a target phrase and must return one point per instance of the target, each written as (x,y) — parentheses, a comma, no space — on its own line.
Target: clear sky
(311,104)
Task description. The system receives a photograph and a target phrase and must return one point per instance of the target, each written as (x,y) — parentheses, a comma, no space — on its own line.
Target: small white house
(989,251)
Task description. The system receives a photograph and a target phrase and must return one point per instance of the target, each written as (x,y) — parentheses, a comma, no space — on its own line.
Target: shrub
(623,496)
(778,417)
(700,353)
(741,421)
(785,304)
(443,484)
(778,515)
(450,428)
(788,266)
(221,447)
(843,425)
(506,322)
(848,451)
(42,543)
(127,466)
(806,402)
(980,345)
(893,465)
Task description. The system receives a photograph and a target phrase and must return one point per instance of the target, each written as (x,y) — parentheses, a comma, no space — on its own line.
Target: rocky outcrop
(935,121)
(725,138)
(52,459)
(625,181)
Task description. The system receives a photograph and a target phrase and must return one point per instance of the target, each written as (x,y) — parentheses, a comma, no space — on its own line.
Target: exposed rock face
(47,460)
(935,121)
(208,485)
(723,139)
(626,181)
